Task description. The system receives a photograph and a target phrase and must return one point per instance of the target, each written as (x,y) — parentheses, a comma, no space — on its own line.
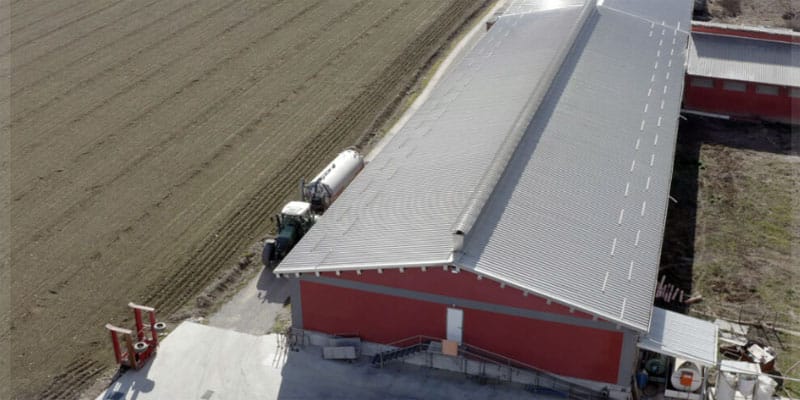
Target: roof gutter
(469,215)
(364,266)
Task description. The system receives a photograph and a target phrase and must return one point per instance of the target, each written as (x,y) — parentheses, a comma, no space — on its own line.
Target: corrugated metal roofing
(578,213)
(399,210)
(744,59)
(682,336)
(528,6)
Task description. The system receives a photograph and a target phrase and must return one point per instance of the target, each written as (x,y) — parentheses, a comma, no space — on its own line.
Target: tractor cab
(292,223)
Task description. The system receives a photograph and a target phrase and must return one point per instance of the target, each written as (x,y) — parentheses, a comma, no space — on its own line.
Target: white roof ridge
(486,185)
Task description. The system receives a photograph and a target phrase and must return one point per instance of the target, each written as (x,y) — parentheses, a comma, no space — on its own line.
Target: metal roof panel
(579,213)
(399,209)
(744,59)
(682,336)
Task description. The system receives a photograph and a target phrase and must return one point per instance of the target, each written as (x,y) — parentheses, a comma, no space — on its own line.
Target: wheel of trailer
(140,347)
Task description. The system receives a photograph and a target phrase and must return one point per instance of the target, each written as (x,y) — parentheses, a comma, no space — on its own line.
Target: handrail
(556,383)
(468,350)
(506,359)
(416,338)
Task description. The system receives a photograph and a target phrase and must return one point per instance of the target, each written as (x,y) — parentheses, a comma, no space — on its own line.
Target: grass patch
(748,230)
(283,321)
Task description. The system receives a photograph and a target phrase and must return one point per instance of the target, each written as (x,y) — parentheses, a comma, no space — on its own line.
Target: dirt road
(151,141)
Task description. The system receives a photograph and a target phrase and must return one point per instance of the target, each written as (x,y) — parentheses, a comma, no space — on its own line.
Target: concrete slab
(202,362)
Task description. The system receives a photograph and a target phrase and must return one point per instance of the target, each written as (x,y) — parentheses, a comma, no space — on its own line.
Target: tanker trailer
(297,217)
(321,191)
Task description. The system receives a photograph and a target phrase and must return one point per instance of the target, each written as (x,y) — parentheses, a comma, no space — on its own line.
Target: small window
(702,82)
(794,92)
(767,89)
(734,86)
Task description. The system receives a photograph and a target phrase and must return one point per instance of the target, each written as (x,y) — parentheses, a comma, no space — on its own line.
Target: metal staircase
(543,382)
(382,358)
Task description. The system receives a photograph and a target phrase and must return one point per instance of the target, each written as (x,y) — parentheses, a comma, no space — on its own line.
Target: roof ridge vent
(485,187)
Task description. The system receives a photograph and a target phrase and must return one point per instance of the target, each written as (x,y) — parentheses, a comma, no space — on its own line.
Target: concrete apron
(435,359)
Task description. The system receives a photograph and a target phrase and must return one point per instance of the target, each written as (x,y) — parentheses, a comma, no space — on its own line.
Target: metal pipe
(153,333)
(139,325)
(117,351)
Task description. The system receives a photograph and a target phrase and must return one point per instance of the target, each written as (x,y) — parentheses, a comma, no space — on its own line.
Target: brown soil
(734,234)
(151,141)
(767,13)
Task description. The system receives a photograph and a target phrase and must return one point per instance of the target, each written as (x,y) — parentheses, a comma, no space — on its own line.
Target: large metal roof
(579,214)
(549,146)
(679,335)
(399,209)
(744,59)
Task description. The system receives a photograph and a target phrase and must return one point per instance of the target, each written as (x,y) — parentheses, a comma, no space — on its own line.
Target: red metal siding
(463,285)
(373,317)
(747,104)
(775,36)
(565,349)
(568,350)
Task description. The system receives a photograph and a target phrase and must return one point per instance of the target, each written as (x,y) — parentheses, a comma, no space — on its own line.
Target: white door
(455,324)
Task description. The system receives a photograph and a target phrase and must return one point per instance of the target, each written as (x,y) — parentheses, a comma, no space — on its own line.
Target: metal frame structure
(136,354)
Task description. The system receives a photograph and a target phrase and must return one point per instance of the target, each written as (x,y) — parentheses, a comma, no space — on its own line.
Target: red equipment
(136,354)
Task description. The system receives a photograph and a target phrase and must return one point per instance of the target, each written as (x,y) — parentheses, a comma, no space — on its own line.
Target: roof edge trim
(509,282)
(646,345)
(364,266)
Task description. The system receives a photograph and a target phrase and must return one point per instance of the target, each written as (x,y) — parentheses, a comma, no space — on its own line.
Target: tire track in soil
(62,26)
(249,128)
(44,3)
(131,122)
(46,230)
(105,102)
(107,71)
(33,84)
(67,385)
(360,107)
(203,115)
(240,227)
(86,34)
(251,125)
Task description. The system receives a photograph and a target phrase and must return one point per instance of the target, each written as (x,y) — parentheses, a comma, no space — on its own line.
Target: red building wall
(747,104)
(464,285)
(580,352)
(567,349)
(748,33)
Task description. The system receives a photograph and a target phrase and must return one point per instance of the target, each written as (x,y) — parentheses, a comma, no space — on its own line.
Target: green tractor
(293,222)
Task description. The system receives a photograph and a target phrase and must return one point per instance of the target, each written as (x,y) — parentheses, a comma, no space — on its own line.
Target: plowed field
(151,140)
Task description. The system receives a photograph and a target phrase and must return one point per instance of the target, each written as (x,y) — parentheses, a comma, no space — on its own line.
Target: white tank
(329,184)
(747,385)
(726,384)
(686,376)
(766,388)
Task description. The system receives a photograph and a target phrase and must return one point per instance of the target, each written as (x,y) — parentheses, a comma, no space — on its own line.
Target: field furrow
(151,141)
